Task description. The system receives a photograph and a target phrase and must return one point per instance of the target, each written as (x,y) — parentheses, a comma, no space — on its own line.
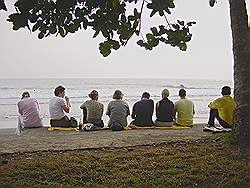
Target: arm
(102,109)
(108,112)
(175,112)
(174,115)
(37,104)
(19,109)
(82,106)
(215,104)
(84,118)
(157,110)
(66,106)
(152,108)
(128,111)
(133,115)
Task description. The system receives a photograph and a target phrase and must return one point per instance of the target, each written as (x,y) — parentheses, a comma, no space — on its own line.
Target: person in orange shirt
(222,109)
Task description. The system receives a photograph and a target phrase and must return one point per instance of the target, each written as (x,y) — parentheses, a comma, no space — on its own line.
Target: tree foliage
(108,18)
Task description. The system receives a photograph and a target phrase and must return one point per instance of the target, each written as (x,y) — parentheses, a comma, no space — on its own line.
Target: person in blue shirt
(142,111)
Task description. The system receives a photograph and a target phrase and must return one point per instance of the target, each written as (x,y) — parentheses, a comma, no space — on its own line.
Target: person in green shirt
(222,109)
(184,108)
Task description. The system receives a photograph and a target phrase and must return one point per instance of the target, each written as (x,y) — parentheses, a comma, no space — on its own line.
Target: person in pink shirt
(28,109)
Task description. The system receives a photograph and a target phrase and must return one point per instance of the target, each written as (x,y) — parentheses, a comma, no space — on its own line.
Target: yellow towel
(158,127)
(62,129)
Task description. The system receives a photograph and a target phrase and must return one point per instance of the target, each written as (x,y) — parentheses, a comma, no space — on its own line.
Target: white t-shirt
(56,107)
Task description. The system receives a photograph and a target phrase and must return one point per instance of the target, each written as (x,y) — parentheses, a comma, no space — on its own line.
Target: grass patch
(226,138)
(192,164)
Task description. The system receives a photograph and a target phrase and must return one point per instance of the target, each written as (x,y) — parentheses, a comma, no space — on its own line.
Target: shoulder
(124,102)
(219,99)
(33,99)
(19,103)
(189,101)
(170,101)
(177,102)
(57,99)
(151,100)
(86,102)
(99,103)
(111,103)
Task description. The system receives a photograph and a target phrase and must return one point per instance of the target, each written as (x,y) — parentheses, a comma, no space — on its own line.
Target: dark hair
(226,90)
(59,89)
(145,95)
(182,92)
(25,94)
(93,94)
(117,94)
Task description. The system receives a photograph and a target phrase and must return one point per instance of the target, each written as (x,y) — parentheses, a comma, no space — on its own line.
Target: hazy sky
(209,54)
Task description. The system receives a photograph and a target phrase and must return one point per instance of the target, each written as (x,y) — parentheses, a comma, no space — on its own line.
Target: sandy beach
(40,139)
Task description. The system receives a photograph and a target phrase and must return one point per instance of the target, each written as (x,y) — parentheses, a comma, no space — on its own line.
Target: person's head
(145,95)
(165,93)
(182,93)
(117,94)
(93,95)
(59,91)
(226,90)
(25,94)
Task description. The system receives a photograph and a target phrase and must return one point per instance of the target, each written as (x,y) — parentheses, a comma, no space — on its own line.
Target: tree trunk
(241,50)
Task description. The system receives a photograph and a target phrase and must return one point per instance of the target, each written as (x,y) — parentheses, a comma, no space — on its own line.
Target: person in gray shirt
(118,111)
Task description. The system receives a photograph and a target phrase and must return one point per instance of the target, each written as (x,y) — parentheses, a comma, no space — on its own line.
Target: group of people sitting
(179,113)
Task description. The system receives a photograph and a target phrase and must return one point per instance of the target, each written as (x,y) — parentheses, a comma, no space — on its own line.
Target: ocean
(201,92)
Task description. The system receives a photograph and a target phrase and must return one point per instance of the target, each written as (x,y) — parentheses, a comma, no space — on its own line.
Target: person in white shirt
(58,106)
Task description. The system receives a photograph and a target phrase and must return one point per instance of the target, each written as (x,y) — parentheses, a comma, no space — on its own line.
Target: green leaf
(191,23)
(140,43)
(154,31)
(96,33)
(183,46)
(105,48)
(78,12)
(149,36)
(171,4)
(136,13)
(33,18)
(52,29)
(43,28)
(187,38)
(62,32)
(19,20)
(40,35)
(25,5)
(123,18)
(131,18)
(37,25)
(153,13)
(70,28)
(115,3)
(180,22)
(176,26)
(85,23)
(2,5)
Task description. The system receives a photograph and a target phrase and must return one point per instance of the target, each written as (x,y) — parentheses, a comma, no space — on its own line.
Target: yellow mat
(158,127)
(62,129)
(129,127)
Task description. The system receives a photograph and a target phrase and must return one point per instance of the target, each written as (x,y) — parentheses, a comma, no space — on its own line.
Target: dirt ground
(40,139)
